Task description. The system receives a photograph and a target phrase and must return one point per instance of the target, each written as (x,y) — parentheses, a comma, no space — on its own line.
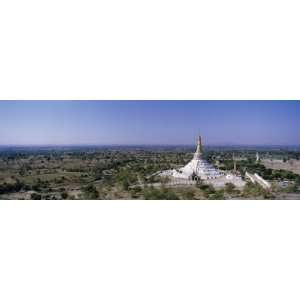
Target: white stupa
(196,167)
(199,168)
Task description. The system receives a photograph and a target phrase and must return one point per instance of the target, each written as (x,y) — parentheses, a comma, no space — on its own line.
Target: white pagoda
(196,168)
(199,168)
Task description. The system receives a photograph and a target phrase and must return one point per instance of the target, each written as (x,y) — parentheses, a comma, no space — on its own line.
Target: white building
(200,168)
(258,179)
(197,167)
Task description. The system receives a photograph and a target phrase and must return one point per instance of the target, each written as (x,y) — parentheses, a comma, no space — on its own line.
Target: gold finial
(200,143)
(199,149)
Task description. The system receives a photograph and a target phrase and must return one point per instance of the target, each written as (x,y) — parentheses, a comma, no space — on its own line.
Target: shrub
(189,195)
(207,189)
(135,192)
(293,188)
(253,190)
(35,196)
(229,187)
(159,194)
(218,195)
(90,192)
(64,195)
(11,187)
(125,184)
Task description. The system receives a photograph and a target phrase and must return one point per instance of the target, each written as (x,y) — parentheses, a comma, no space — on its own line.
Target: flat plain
(133,172)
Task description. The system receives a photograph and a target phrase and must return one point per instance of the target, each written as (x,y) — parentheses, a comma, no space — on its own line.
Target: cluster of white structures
(198,168)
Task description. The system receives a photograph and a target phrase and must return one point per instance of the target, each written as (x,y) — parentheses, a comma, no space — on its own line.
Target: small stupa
(257,158)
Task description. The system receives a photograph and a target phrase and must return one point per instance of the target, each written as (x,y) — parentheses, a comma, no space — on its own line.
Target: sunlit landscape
(129,150)
(132,173)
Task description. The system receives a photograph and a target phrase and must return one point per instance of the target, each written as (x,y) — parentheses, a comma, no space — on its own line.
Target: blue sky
(149,122)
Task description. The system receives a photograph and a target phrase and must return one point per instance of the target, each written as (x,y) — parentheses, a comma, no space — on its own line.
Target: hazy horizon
(145,145)
(149,123)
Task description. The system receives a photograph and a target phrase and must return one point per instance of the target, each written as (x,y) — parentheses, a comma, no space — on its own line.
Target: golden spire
(199,145)
(199,149)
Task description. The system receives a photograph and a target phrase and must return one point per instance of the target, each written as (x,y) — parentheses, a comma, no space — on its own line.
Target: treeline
(7,188)
(17,186)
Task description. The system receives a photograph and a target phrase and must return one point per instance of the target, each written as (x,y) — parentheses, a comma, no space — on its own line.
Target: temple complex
(199,169)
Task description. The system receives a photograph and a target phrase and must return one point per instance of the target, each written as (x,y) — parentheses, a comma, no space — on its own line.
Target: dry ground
(292,165)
